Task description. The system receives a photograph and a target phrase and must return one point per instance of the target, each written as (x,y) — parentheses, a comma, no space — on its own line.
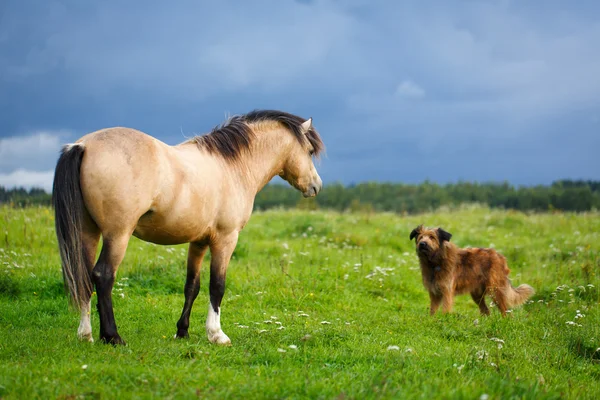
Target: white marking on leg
(84,332)
(213,327)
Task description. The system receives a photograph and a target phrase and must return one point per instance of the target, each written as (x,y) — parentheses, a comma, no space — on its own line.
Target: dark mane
(234,136)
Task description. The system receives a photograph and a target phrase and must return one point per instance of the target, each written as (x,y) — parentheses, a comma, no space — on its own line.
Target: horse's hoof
(114,340)
(219,338)
(181,335)
(86,337)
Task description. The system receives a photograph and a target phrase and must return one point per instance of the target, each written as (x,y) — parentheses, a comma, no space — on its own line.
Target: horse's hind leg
(90,237)
(103,275)
(221,250)
(196,254)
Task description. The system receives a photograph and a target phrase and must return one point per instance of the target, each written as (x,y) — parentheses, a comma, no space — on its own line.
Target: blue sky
(401,91)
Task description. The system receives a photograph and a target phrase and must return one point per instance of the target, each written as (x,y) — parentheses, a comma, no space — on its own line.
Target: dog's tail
(517,296)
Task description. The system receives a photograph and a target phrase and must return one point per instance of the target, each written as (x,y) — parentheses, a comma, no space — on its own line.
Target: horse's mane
(234,136)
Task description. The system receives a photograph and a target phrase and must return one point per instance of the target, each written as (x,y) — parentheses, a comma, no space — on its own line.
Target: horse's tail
(517,296)
(68,213)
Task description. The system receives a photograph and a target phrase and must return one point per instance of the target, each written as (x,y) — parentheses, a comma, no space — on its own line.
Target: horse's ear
(415,232)
(306,125)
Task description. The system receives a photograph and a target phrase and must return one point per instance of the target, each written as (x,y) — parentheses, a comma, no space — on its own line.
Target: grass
(347,291)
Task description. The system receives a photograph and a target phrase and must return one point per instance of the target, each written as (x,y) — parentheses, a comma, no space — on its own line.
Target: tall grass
(318,305)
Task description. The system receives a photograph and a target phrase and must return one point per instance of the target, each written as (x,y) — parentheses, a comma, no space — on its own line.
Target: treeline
(20,197)
(565,195)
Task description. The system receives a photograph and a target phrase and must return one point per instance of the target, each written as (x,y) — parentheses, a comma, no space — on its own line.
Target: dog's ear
(443,235)
(415,232)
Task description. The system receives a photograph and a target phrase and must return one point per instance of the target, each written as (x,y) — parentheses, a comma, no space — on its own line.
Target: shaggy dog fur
(448,271)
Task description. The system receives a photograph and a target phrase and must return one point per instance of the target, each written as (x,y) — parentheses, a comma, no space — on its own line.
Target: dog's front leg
(447,300)
(436,300)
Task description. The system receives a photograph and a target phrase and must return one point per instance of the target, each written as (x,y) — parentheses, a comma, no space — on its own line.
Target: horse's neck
(264,160)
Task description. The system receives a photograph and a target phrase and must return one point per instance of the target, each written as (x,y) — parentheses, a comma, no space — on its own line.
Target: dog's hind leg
(436,300)
(478,297)
(500,300)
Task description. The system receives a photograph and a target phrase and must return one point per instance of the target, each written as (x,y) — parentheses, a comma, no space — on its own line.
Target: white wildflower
(84,366)
(325,323)
(390,348)
(293,347)
(281,350)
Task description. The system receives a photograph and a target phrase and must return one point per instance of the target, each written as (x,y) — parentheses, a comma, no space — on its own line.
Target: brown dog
(448,271)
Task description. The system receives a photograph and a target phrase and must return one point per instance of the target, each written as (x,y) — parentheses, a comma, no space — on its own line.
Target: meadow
(319,304)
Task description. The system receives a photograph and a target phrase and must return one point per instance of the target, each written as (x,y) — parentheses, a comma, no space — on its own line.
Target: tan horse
(119,182)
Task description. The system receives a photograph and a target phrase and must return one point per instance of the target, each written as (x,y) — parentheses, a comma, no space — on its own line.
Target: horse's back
(120,173)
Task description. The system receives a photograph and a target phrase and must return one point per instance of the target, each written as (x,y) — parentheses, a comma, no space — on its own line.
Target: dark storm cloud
(476,90)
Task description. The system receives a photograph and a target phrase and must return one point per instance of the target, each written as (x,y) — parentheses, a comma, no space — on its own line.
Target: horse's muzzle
(312,191)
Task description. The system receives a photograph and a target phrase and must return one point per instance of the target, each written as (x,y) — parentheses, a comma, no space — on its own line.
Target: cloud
(384,81)
(37,151)
(192,55)
(28,179)
(410,90)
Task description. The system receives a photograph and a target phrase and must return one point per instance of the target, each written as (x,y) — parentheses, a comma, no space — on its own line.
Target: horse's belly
(163,232)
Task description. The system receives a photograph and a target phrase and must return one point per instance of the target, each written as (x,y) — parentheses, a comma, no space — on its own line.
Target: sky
(401,91)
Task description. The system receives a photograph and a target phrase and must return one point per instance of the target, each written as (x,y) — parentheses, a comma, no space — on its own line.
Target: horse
(119,182)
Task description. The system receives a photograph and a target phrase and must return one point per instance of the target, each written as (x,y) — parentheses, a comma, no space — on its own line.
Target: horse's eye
(311,152)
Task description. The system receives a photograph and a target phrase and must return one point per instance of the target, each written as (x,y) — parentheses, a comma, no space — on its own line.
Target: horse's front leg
(196,254)
(221,250)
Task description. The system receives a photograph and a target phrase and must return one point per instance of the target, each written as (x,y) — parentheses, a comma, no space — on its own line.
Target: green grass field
(318,305)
